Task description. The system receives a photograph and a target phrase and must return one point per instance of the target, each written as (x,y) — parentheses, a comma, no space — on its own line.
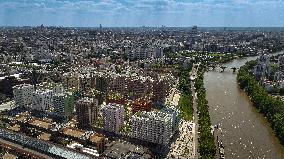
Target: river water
(245,132)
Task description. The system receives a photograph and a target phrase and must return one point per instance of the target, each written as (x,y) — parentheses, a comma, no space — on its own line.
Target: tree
(272,108)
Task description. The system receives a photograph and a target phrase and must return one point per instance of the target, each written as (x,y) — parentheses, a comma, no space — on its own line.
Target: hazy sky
(184,13)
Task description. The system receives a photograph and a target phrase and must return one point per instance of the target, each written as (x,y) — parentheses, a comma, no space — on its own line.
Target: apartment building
(72,80)
(159,52)
(138,87)
(63,104)
(175,113)
(23,95)
(86,111)
(118,84)
(113,116)
(161,89)
(154,127)
(42,100)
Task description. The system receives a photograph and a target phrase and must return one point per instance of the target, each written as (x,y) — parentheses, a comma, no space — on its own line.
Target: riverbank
(271,108)
(244,132)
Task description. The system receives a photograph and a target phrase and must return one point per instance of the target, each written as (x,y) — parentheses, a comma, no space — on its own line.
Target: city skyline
(131,13)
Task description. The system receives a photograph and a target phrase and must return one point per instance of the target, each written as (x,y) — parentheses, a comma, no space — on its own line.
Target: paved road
(195,115)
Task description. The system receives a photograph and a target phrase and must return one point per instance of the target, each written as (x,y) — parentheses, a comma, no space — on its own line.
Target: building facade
(42,99)
(87,112)
(113,116)
(154,127)
(63,104)
(23,95)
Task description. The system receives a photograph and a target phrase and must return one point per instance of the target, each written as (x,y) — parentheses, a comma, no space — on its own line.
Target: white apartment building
(155,127)
(23,95)
(42,99)
(113,115)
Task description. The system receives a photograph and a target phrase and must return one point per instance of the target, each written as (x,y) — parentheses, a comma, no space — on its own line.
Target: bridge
(223,68)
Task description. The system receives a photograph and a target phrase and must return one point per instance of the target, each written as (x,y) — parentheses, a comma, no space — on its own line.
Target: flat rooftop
(40,123)
(9,156)
(22,117)
(73,132)
(96,138)
(44,136)
(15,127)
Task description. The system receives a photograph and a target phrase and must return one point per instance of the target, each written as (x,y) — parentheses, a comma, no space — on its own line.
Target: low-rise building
(81,148)
(98,141)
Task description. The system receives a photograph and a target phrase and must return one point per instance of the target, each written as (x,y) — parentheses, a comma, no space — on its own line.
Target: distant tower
(34,78)
(194,29)
(101,26)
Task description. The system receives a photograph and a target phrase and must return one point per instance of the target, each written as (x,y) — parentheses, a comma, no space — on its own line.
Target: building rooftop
(113,106)
(155,115)
(22,86)
(121,149)
(73,132)
(9,156)
(40,123)
(96,138)
(86,100)
(15,127)
(22,117)
(44,136)
(43,91)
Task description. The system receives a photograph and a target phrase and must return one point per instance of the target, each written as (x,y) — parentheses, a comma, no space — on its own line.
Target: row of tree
(271,107)
(207,148)
(185,101)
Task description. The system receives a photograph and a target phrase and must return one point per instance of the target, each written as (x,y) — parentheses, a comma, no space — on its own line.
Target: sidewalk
(184,147)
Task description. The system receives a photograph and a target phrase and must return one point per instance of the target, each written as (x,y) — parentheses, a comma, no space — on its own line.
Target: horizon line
(162,26)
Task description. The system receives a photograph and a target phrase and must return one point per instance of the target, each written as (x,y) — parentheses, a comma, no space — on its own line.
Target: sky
(135,13)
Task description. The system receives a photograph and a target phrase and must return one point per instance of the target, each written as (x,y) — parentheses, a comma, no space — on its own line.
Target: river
(245,132)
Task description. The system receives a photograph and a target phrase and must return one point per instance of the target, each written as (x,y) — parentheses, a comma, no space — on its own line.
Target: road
(188,137)
(195,115)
